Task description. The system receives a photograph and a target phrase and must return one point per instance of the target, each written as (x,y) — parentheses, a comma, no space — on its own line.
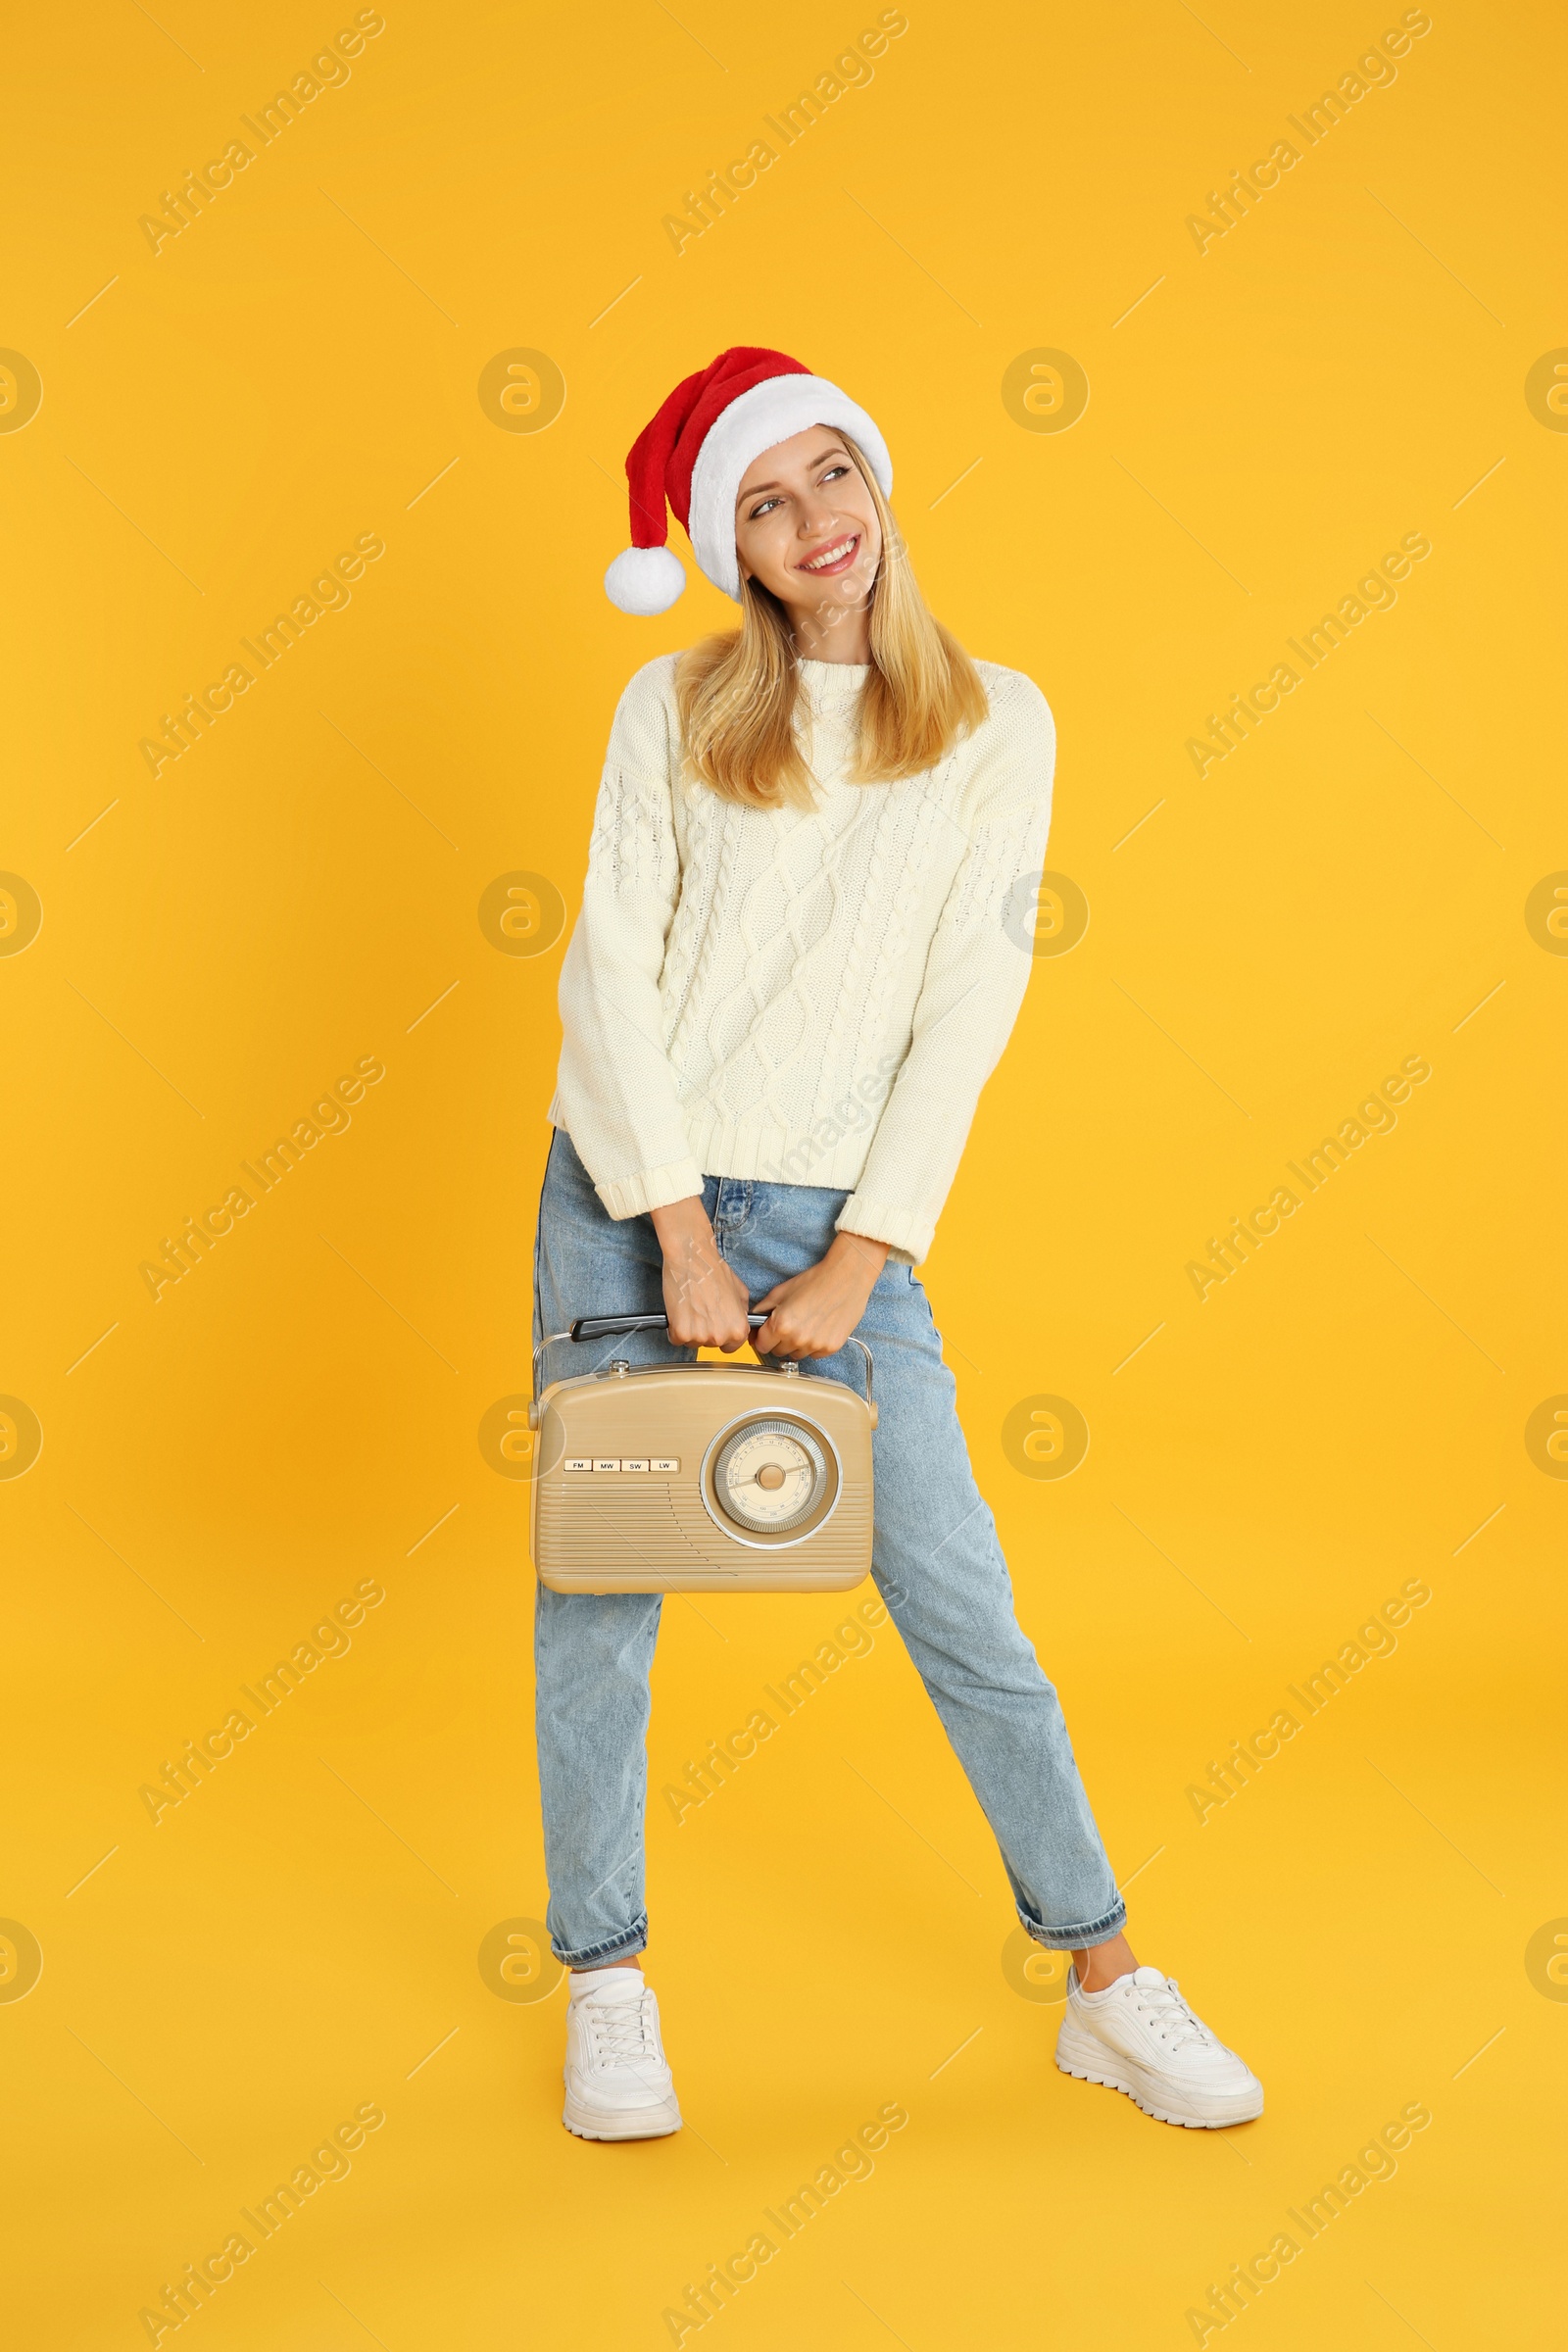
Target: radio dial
(769,1476)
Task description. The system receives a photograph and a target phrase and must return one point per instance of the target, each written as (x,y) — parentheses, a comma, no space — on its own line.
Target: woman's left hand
(814,1314)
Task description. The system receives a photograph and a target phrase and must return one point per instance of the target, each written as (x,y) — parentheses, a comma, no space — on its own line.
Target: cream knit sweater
(809,997)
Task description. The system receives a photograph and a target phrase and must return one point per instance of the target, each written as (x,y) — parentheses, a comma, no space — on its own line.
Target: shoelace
(622,2031)
(1169,2014)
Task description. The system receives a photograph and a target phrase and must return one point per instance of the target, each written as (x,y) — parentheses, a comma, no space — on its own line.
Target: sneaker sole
(1089,2061)
(648,2123)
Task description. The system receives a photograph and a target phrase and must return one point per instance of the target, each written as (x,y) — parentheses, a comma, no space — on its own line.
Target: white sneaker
(1139,2036)
(619,2085)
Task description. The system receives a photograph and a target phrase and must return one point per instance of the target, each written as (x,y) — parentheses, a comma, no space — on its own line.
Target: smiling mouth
(835,558)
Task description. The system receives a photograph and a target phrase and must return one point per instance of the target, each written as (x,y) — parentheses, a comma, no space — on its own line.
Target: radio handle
(611,1327)
(614,1327)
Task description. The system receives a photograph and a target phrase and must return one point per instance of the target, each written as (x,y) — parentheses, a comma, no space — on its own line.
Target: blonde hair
(737,693)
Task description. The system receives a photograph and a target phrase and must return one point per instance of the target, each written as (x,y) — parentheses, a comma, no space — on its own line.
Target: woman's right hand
(705,1300)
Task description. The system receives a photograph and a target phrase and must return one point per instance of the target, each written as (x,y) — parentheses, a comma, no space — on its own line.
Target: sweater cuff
(908,1236)
(652,1188)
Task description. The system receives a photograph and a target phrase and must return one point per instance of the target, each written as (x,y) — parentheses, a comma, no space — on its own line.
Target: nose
(818,514)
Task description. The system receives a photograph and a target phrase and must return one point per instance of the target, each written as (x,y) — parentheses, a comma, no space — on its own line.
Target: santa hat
(695,453)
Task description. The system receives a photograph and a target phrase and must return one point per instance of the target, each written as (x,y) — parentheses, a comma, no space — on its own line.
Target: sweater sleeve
(976,970)
(616,1091)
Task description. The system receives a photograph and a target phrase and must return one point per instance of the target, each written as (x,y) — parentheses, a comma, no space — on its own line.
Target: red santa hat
(694,453)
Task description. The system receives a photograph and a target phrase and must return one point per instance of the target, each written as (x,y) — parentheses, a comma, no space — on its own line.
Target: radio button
(606,1462)
(667,1461)
(628,1463)
(577,1461)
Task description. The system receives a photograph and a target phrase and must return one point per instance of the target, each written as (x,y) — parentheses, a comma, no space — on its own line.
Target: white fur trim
(769,413)
(645,580)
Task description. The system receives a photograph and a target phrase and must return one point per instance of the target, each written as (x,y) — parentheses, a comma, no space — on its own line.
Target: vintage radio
(698,1477)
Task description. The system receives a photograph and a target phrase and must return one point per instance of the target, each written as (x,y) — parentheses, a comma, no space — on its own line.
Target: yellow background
(222,1989)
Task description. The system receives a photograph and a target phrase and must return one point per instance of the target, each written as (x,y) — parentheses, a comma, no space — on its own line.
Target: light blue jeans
(935,1563)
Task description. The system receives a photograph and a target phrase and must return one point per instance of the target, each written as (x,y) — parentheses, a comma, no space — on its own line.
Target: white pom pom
(645,580)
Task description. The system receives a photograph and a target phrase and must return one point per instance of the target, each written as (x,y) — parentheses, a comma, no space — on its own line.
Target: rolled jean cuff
(601,1955)
(1078,1939)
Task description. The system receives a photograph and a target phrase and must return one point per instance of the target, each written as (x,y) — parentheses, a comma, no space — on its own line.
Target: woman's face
(806,526)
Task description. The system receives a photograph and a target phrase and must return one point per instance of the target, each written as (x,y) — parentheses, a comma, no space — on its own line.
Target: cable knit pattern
(805,996)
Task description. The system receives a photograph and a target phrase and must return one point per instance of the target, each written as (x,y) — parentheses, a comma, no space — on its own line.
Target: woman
(798,958)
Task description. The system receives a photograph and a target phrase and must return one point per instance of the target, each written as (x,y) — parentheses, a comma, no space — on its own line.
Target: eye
(758,511)
(834,470)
